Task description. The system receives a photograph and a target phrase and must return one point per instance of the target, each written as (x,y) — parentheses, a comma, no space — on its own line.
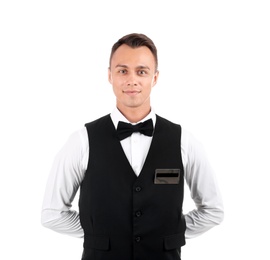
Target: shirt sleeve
(66,175)
(203,186)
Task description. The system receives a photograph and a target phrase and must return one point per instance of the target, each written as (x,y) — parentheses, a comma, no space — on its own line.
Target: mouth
(131,92)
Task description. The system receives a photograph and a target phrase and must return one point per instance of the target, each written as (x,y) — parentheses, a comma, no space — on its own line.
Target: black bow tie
(124,130)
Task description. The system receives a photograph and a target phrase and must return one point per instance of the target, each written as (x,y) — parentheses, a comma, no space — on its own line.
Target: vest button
(138,213)
(138,189)
(137,239)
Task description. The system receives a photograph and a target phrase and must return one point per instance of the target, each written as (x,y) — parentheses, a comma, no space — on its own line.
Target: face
(132,75)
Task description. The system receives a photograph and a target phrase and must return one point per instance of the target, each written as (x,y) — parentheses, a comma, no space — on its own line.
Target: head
(133,72)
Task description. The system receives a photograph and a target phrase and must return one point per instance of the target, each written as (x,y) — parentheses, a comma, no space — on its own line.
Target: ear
(109,75)
(155,78)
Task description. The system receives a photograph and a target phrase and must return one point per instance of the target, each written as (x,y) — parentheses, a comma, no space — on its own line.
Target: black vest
(126,217)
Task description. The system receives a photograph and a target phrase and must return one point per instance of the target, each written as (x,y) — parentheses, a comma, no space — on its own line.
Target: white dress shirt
(70,165)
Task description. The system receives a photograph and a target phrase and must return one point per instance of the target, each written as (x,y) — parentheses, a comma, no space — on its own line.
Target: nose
(132,80)
(130,84)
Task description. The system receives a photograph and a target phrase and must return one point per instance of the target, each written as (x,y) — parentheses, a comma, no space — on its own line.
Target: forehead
(128,56)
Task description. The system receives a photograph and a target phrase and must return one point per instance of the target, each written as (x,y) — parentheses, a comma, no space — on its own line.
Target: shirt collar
(117,116)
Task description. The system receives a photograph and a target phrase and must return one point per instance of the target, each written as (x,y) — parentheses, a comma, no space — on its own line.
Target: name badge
(167,176)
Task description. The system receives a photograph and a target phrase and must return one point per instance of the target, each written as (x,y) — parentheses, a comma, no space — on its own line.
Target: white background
(214,79)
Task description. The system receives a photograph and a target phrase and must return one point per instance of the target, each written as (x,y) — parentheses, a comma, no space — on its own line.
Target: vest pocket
(174,241)
(96,242)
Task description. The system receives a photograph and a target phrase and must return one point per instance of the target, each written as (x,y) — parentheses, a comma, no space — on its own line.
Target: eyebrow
(138,67)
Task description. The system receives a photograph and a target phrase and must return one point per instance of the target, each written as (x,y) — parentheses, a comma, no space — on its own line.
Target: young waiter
(130,166)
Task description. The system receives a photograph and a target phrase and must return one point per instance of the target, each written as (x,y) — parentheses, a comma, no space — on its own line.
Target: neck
(134,115)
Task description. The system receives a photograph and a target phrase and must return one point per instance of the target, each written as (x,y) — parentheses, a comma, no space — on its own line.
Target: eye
(142,72)
(122,71)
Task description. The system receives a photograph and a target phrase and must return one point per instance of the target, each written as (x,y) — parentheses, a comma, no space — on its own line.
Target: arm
(63,183)
(203,186)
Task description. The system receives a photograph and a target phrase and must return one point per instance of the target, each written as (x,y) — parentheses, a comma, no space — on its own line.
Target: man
(130,166)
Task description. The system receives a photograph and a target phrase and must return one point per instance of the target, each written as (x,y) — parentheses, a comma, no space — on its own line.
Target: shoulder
(187,138)
(165,121)
(98,121)
(167,125)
